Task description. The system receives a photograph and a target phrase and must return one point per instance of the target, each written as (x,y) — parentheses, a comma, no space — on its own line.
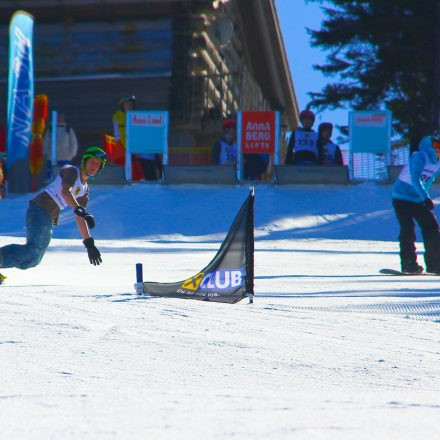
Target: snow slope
(329,350)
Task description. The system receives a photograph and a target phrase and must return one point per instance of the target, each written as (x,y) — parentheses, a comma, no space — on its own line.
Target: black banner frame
(229,277)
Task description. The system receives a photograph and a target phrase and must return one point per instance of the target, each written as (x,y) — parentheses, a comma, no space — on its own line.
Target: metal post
(277,139)
(128,176)
(166,150)
(53,141)
(389,124)
(165,153)
(239,154)
(250,252)
(139,286)
(350,151)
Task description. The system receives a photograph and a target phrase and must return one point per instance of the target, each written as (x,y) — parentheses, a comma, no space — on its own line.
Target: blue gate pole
(139,286)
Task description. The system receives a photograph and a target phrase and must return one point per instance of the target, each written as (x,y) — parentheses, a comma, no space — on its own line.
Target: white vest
(54,189)
(428,170)
(228,153)
(329,152)
(306,140)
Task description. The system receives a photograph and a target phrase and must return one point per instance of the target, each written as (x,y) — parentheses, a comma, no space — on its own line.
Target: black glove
(80,211)
(94,254)
(428,204)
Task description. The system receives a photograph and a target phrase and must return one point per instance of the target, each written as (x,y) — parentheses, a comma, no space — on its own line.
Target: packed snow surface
(330,349)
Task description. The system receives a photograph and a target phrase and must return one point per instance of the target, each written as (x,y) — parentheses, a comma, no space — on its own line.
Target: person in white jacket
(66,143)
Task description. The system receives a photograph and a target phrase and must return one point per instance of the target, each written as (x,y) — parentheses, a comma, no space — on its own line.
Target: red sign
(257,132)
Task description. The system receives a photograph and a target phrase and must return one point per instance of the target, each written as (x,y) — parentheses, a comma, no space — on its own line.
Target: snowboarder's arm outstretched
(82,227)
(73,203)
(84,220)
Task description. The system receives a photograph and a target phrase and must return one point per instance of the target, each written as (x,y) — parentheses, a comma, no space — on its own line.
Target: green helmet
(97,153)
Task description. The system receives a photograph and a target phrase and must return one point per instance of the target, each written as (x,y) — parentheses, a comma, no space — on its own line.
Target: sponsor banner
(223,279)
(147,134)
(147,131)
(258,132)
(20,101)
(229,277)
(370,131)
(370,120)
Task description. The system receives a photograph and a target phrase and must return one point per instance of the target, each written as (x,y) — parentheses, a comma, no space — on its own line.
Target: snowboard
(400,273)
(2,278)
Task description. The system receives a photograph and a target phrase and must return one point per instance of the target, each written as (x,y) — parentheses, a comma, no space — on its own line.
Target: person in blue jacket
(411,201)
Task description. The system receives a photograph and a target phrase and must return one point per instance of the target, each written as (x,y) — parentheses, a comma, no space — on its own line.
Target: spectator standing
(224,151)
(328,152)
(303,142)
(151,163)
(66,143)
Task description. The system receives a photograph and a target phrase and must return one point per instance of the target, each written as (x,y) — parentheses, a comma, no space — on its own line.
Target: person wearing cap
(412,202)
(69,190)
(328,152)
(224,151)
(303,143)
(126,104)
(150,163)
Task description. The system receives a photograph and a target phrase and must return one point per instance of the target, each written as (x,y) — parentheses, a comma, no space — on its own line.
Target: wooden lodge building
(203,60)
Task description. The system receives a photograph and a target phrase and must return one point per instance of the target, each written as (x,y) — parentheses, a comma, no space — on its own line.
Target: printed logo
(370,120)
(223,279)
(194,282)
(147,120)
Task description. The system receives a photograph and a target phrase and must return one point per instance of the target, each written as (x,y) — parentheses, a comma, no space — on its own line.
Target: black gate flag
(229,277)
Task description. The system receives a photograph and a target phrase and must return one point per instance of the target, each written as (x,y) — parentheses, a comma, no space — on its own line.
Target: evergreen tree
(384,53)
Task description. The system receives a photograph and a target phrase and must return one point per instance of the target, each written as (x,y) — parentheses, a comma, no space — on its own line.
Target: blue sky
(294,17)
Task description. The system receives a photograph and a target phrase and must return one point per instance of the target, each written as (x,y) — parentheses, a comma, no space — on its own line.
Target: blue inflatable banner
(20,101)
